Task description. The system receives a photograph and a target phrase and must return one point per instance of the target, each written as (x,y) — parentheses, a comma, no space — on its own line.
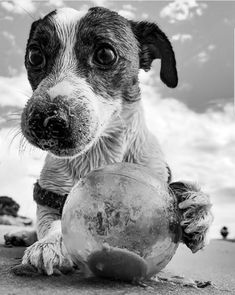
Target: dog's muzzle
(62,126)
(52,125)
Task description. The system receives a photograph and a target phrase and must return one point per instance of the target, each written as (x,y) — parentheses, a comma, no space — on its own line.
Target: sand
(215,263)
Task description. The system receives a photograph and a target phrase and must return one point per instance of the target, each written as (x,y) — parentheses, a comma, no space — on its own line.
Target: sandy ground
(216,263)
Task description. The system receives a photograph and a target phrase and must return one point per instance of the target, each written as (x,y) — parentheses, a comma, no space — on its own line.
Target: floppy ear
(155,44)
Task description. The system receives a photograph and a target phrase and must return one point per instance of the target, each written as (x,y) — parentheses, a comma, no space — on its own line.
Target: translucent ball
(122,222)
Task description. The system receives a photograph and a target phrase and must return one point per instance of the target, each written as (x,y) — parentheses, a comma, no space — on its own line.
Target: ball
(122,222)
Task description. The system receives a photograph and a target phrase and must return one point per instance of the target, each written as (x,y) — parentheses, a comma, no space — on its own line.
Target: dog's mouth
(58,127)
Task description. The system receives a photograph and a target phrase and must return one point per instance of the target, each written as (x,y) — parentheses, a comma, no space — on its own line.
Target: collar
(48,198)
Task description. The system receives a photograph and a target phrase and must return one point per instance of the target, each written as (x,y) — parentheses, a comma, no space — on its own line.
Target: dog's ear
(155,44)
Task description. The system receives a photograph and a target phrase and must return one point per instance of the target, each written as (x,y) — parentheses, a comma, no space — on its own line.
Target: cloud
(127,11)
(184,86)
(14,90)
(129,7)
(211,47)
(181,10)
(9,37)
(19,7)
(144,15)
(12,71)
(203,56)
(103,3)
(56,3)
(182,37)
(8,18)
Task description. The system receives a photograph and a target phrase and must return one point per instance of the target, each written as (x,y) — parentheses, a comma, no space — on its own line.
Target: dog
(86,112)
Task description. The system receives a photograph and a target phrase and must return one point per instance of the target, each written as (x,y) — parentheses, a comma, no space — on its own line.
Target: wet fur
(123,138)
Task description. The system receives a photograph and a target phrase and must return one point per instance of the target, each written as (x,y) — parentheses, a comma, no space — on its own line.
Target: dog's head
(82,68)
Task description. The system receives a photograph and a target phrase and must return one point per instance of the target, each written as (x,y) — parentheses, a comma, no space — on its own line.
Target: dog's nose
(57,126)
(45,125)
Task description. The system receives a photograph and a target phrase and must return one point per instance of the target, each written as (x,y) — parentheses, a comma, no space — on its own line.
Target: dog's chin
(69,152)
(59,150)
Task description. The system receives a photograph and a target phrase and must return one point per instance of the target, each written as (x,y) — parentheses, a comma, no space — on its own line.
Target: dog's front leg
(48,254)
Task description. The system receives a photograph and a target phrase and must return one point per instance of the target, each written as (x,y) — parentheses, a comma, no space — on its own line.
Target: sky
(194,122)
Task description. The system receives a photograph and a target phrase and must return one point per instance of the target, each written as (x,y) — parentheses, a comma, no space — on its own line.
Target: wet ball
(122,222)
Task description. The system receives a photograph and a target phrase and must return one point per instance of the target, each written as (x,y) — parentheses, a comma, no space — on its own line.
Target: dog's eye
(105,56)
(36,58)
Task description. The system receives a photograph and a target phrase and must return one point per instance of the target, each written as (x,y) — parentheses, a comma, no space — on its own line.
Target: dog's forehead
(94,16)
(92,22)
(104,20)
(68,25)
(68,16)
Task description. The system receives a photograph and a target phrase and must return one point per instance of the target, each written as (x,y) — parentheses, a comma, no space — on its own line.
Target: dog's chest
(101,155)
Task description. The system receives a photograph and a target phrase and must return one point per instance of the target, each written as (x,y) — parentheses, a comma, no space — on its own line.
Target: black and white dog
(86,111)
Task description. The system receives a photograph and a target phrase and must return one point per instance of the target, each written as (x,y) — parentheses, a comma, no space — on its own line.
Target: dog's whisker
(15,114)
(14,117)
(13,121)
(23,145)
(15,136)
(14,132)
(31,148)
(14,129)
(26,144)
(28,95)
(20,144)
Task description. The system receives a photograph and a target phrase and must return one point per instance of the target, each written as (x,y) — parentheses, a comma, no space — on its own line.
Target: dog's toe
(195,224)
(47,257)
(200,224)
(24,270)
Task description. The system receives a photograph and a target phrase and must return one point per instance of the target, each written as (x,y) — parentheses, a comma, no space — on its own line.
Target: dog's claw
(47,257)
(24,270)
(198,199)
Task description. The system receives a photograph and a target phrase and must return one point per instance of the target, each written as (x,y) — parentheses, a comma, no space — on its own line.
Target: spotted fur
(100,109)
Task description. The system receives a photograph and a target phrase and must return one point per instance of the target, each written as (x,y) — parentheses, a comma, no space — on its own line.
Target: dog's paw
(48,256)
(21,237)
(196,216)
